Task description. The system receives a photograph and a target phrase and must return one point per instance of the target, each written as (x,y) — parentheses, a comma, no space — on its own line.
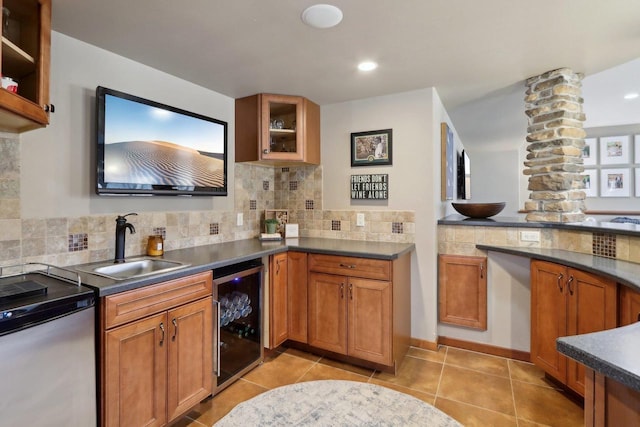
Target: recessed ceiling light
(367,66)
(632,95)
(322,16)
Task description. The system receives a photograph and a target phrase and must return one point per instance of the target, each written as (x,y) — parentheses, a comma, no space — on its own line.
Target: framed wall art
(447,162)
(637,174)
(589,151)
(636,149)
(615,182)
(372,148)
(590,180)
(614,150)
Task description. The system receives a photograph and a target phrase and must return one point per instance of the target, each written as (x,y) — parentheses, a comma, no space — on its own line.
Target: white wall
(57,162)
(414,178)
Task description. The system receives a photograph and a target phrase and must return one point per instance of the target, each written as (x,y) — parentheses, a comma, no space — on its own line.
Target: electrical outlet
(360,220)
(530,236)
(240,219)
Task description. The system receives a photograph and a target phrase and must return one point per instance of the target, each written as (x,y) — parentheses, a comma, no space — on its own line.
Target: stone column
(556,138)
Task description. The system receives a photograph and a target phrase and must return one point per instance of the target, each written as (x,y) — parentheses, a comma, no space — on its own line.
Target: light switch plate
(360,220)
(240,219)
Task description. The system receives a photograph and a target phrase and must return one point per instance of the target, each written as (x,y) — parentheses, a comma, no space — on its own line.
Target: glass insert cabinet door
(282,125)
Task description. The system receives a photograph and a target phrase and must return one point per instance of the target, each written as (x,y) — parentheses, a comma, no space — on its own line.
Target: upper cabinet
(277,129)
(26,43)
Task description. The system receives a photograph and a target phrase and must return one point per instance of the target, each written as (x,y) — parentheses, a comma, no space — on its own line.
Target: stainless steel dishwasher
(47,348)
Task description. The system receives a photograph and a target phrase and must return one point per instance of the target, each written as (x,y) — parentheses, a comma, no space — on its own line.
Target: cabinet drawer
(138,303)
(350,266)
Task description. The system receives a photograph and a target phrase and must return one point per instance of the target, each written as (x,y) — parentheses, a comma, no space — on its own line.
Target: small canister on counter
(155,246)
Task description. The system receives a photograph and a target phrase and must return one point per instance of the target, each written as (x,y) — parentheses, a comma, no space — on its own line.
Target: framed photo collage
(612,166)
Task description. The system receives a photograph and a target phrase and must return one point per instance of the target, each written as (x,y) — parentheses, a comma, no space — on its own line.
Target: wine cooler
(237,294)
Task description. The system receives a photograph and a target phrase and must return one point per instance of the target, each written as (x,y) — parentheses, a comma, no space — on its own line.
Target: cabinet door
(282,123)
(297,293)
(190,363)
(462,291)
(370,320)
(135,376)
(278,305)
(328,312)
(592,307)
(26,57)
(548,316)
(629,306)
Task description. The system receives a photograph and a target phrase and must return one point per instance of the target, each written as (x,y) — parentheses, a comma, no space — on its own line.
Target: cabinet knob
(265,151)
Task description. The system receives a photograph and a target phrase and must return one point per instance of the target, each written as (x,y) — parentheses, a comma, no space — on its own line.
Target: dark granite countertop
(520,222)
(624,272)
(209,257)
(613,353)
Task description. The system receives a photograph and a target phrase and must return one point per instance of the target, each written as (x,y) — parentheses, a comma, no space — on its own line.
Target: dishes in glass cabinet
(479,210)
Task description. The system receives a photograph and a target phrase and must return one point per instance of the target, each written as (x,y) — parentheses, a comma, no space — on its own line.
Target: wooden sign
(370,186)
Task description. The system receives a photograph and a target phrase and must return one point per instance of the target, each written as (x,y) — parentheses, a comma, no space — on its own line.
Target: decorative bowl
(479,210)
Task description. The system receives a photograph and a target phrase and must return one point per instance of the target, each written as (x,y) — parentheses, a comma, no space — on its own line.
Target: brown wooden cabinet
(566,301)
(358,307)
(462,291)
(629,311)
(276,129)
(297,296)
(287,298)
(156,351)
(26,45)
(608,403)
(278,297)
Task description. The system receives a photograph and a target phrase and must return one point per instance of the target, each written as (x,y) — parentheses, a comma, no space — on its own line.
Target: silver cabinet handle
(351,291)
(560,277)
(482,270)
(175,329)
(162,329)
(569,282)
(347,265)
(341,290)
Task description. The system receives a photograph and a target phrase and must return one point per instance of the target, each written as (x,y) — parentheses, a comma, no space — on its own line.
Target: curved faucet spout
(121,228)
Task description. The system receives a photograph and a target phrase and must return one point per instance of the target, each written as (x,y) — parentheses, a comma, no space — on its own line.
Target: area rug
(335,403)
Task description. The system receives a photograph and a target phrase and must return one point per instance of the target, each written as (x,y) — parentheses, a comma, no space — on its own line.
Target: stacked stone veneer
(556,138)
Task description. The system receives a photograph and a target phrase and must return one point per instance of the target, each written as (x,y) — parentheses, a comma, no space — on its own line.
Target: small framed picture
(614,150)
(589,151)
(590,180)
(637,174)
(372,148)
(636,150)
(615,182)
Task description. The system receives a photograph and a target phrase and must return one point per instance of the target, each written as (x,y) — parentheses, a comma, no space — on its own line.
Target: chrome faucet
(121,229)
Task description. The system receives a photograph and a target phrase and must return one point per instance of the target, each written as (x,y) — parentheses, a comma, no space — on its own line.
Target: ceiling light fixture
(367,66)
(632,95)
(322,16)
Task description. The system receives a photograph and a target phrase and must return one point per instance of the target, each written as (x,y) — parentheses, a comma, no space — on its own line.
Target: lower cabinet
(608,403)
(462,291)
(566,301)
(629,311)
(287,298)
(351,316)
(351,306)
(156,351)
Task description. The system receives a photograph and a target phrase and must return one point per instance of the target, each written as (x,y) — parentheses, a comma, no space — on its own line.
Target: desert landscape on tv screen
(145,145)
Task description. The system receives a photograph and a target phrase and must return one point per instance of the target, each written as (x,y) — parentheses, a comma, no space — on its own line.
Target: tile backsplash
(66,241)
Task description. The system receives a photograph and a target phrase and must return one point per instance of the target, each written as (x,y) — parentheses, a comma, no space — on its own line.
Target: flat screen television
(148,148)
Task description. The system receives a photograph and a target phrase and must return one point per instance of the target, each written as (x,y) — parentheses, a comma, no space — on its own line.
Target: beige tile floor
(474,388)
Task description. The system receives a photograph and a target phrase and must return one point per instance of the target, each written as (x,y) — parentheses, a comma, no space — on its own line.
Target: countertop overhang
(613,352)
(210,257)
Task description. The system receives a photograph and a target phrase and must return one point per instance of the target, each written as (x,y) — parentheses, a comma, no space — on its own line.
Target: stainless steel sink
(133,268)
